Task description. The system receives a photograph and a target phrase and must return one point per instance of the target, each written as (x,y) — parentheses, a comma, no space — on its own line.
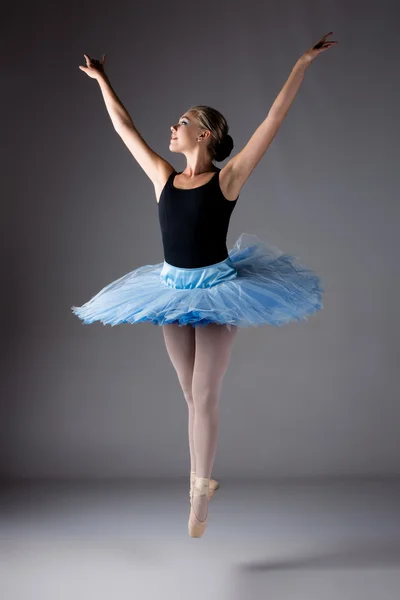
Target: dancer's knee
(187,392)
(206,399)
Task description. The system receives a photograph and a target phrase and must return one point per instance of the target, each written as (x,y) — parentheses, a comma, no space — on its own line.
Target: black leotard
(194,223)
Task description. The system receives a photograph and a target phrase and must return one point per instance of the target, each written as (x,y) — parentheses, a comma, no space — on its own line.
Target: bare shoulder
(161,179)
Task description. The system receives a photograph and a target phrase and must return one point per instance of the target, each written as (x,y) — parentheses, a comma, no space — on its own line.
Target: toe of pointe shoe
(196,528)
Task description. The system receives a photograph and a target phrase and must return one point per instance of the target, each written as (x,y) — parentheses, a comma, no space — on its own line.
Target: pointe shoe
(214,485)
(196,528)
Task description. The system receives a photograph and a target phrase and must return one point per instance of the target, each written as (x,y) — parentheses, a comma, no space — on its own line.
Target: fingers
(326,35)
(322,43)
(93,65)
(93,60)
(321,40)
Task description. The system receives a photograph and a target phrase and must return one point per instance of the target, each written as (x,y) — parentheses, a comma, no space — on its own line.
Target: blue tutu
(256,285)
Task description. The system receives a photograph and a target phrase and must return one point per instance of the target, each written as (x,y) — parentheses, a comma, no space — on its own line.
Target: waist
(195,252)
(198,277)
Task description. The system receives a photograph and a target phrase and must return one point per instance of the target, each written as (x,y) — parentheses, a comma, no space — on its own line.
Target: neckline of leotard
(191,189)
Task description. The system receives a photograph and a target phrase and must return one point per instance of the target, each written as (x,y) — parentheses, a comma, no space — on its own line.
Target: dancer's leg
(180,344)
(213,350)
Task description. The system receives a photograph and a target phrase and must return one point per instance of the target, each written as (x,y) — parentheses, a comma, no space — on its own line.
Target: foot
(200,501)
(198,517)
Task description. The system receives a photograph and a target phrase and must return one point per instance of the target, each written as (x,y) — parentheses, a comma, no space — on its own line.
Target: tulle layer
(256,285)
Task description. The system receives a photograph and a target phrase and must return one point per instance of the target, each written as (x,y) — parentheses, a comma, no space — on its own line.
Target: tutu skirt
(257,284)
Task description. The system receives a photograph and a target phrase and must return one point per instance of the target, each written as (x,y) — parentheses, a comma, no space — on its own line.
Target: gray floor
(281,541)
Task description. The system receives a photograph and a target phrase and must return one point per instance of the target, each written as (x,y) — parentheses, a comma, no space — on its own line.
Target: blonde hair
(221,143)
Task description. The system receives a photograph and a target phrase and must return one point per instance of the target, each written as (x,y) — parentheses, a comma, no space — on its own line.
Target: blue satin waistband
(200,277)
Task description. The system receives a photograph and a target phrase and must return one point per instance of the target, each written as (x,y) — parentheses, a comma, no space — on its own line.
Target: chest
(225,186)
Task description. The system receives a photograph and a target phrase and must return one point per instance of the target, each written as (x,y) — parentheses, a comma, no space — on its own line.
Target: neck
(196,165)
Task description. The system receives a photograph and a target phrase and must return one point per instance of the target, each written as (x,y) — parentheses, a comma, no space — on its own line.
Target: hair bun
(224,147)
(226,141)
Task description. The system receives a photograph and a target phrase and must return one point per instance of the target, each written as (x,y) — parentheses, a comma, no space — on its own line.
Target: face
(186,132)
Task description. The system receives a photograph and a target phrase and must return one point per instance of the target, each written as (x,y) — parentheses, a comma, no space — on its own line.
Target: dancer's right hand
(94,68)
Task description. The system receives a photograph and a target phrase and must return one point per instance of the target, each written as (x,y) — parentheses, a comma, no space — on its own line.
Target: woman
(202,293)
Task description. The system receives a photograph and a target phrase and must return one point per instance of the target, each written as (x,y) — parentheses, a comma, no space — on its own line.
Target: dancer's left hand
(319,47)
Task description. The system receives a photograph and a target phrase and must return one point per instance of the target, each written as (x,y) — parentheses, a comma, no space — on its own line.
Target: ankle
(201,486)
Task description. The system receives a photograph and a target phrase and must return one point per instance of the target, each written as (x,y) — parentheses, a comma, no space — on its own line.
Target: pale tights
(200,357)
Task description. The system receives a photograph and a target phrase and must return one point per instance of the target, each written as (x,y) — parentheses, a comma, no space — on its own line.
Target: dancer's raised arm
(151,162)
(243,163)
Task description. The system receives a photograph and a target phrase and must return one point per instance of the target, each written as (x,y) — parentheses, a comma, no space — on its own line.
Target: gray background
(318,398)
